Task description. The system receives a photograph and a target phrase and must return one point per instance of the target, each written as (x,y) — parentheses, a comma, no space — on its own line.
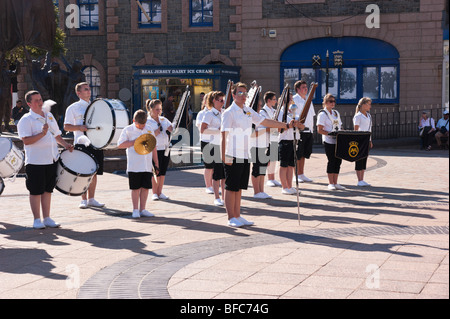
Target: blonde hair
(361,102)
(79,85)
(150,104)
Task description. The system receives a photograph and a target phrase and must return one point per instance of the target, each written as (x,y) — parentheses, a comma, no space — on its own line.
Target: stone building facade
(256,35)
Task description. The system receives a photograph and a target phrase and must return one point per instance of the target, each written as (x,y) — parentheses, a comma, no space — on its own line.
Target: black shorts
(163,162)
(237,175)
(208,150)
(286,153)
(260,161)
(305,146)
(361,165)
(40,179)
(98,154)
(140,180)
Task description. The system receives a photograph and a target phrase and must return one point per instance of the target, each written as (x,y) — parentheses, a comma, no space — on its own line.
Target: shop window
(93,78)
(153,10)
(89,14)
(201,13)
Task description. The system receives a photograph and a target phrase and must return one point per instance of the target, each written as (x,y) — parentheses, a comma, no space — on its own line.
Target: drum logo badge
(353,150)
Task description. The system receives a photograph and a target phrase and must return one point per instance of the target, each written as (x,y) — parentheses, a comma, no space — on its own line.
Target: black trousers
(334,163)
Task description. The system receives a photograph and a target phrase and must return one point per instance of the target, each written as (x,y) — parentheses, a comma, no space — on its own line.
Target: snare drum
(11,158)
(75,171)
(105,120)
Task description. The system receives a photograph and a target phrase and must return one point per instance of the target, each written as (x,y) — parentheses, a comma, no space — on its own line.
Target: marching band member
(286,155)
(40,134)
(74,122)
(236,130)
(204,140)
(328,121)
(363,122)
(306,139)
(161,125)
(139,167)
(210,129)
(259,146)
(268,111)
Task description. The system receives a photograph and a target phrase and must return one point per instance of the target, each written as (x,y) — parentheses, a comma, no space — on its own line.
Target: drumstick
(97,128)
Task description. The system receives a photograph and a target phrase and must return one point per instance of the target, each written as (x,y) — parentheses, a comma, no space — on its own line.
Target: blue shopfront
(159,82)
(357,67)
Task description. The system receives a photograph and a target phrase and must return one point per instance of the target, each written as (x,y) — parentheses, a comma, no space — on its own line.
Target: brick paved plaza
(386,241)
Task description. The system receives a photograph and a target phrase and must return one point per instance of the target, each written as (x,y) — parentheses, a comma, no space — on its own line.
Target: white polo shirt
(162,140)
(364,122)
(213,119)
(45,151)
(75,116)
(136,163)
(287,134)
(329,122)
(238,123)
(309,122)
(199,121)
(269,113)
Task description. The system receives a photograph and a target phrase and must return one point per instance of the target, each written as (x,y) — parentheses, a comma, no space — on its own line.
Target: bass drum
(11,158)
(105,120)
(75,171)
(2,186)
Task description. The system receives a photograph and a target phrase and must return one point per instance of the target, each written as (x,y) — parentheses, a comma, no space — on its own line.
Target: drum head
(101,121)
(79,162)
(5,147)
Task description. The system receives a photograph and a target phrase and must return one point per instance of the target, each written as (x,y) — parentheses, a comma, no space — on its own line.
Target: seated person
(442,129)
(427,129)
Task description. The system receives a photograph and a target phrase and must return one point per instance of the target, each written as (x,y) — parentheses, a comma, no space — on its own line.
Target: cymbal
(145,144)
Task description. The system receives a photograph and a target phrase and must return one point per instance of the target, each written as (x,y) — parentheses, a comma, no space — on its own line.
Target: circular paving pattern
(146,276)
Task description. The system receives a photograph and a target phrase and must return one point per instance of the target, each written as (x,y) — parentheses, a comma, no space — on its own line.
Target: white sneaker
(260,196)
(233,222)
(48,222)
(331,187)
(339,186)
(218,202)
(136,213)
(244,221)
(271,184)
(163,197)
(37,224)
(209,190)
(362,184)
(305,179)
(146,213)
(295,191)
(83,204)
(265,196)
(93,203)
(288,191)
(277,183)
(155,197)
(299,179)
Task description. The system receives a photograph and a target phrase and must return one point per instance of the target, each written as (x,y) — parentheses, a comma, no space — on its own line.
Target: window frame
(89,28)
(149,25)
(200,24)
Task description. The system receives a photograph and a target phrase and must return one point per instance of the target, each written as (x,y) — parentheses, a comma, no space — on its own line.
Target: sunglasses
(331,101)
(242,94)
(221,101)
